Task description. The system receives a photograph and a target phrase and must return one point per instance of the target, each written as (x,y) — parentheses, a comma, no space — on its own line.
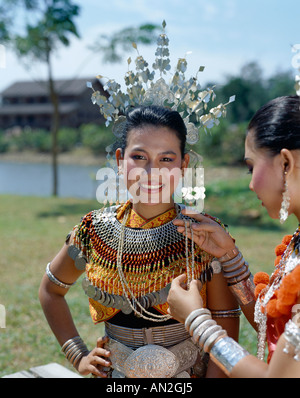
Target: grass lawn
(33,229)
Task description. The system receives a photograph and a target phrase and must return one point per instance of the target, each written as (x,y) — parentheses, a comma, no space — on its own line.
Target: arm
(235,361)
(214,239)
(182,302)
(58,315)
(282,365)
(219,299)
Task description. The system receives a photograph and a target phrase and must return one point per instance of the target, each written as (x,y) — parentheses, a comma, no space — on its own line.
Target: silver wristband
(226,353)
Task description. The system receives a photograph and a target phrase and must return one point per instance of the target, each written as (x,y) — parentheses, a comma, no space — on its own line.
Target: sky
(222,35)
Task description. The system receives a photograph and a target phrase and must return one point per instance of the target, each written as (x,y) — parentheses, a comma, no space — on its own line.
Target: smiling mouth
(151,187)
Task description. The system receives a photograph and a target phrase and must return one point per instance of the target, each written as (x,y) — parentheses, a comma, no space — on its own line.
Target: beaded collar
(151,259)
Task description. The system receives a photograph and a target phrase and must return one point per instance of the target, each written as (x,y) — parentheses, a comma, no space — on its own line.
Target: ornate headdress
(180,94)
(184,96)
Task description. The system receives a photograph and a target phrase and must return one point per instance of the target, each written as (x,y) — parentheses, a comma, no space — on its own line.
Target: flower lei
(286,295)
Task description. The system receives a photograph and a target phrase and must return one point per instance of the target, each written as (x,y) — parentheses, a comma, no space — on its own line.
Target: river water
(36,179)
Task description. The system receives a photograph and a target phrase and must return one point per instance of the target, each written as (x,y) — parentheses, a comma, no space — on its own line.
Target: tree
(53,26)
(110,47)
(4,23)
(252,91)
(249,89)
(282,83)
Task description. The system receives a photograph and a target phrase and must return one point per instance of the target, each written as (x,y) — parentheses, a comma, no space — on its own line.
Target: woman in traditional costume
(272,154)
(131,252)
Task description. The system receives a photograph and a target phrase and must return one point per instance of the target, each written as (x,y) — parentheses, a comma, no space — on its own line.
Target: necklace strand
(260,317)
(125,285)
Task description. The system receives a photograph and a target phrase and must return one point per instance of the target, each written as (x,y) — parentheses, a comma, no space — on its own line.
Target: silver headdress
(179,94)
(184,96)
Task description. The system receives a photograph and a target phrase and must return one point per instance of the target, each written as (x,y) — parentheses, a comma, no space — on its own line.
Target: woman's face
(152,164)
(267,176)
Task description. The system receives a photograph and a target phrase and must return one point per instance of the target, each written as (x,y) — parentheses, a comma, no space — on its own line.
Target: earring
(283,213)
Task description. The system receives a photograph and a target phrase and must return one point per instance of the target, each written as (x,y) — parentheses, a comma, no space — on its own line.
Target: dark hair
(155,116)
(276,125)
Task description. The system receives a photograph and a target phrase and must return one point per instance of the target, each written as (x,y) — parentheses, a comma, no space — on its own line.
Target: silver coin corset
(120,302)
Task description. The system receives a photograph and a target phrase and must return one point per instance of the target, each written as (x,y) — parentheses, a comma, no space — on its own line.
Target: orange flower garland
(286,296)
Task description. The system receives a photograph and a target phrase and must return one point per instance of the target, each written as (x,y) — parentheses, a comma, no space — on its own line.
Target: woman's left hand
(182,301)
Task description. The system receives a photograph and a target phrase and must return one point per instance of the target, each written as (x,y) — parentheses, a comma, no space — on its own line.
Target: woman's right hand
(207,234)
(96,360)
(182,300)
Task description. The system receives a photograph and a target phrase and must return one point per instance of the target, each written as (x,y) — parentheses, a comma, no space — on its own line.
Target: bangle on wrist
(193,315)
(201,329)
(238,276)
(233,313)
(212,339)
(229,255)
(197,322)
(74,349)
(233,261)
(226,353)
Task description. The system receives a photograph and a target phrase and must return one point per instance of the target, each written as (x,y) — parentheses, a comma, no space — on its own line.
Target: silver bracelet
(234,266)
(233,280)
(197,322)
(234,274)
(236,269)
(212,339)
(193,315)
(55,280)
(226,353)
(204,330)
(292,337)
(201,329)
(233,261)
(74,349)
(208,333)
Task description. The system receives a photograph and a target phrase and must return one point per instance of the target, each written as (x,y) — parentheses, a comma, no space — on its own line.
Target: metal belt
(166,336)
(152,361)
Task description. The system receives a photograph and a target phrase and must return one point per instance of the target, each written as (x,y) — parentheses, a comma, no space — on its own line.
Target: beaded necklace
(125,285)
(130,269)
(284,267)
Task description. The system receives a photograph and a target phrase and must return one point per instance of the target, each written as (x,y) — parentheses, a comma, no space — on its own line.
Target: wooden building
(27,103)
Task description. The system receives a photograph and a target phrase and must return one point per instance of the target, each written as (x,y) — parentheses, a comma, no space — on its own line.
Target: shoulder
(99,215)
(95,223)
